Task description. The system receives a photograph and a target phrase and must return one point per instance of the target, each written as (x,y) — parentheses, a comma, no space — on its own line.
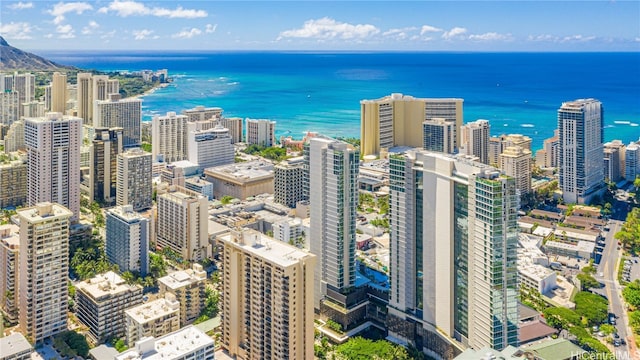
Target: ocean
(519,93)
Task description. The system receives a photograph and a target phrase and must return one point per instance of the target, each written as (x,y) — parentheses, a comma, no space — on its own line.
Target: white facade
(261,132)
(439,135)
(632,161)
(580,124)
(209,148)
(475,140)
(53,172)
(188,343)
(9,106)
(121,113)
(155,318)
(25,85)
(201,113)
(9,249)
(515,161)
(332,168)
(43,272)
(127,239)
(168,137)
(289,230)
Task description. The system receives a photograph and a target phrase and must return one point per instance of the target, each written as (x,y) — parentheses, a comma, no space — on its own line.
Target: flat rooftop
(153,310)
(13,344)
(247,170)
(182,278)
(171,346)
(107,284)
(258,244)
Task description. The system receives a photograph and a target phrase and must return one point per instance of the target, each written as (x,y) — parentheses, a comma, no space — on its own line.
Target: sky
(322,25)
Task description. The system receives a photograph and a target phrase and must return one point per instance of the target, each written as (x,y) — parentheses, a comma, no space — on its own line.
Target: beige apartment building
(515,161)
(188,287)
(155,318)
(9,248)
(13,183)
(267,298)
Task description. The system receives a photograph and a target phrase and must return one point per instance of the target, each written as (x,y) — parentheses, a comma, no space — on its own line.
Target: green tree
(226,199)
(631,293)
(364,349)
(561,318)
(593,308)
(587,281)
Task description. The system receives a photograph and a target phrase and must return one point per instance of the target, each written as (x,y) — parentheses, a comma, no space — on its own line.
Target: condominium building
(201,113)
(9,106)
(200,186)
(614,163)
(580,124)
(14,139)
(515,161)
(25,85)
(177,172)
(127,239)
(235,127)
(155,318)
(103,164)
(85,98)
(261,132)
(289,230)
(43,271)
(134,186)
(120,113)
(188,343)
(34,108)
(188,286)
(396,120)
(168,137)
(15,347)
(241,180)
(9,248)
(453,245)
(267,297)
(182,223)
(332,172)
(632,161)
(497,144)
(102,87)
(475,140)
(53,170)
(209,148)
(59,93)
(548,156)
(100,305)
(13,182)
(288,182)
(438,135)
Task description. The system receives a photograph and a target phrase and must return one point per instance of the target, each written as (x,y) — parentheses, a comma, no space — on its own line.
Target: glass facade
(461,255)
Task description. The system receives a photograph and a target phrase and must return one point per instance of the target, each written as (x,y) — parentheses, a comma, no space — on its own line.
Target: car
(616,343)
(616,336)
(596,328)
(612,321)
(635,261)
(601,334)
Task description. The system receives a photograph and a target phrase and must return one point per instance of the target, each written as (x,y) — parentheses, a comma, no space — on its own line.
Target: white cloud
(491,36)
(327,28)
(454,33)
(65,31)
(577,38)
(187,34)
(638,39)
(48,36)
(60,9)
(399,34)
(21,6)
(108,35)
(542,37)
(131,8)
(16,30)
(89,29)
(211,28)
(142,34)
(429,29)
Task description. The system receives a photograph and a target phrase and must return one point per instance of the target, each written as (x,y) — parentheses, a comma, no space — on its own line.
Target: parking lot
(631,269)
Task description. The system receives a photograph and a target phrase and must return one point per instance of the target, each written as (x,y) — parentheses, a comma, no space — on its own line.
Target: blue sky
(323,25)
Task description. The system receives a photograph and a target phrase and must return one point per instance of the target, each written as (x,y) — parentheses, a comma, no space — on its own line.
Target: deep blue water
(517,92)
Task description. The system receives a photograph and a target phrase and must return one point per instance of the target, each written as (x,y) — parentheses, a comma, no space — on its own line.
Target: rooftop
(125,212)
(534,330)
(171,346)
(184,278)
(260,245)
(246,170)
(555,349)
(583,246)
(43,211)
(154,309)
(106,284)
(13,344)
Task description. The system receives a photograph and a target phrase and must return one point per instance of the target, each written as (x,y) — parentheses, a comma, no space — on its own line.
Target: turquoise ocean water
(304,91)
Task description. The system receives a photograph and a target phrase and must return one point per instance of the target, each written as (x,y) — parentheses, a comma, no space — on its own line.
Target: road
(608,269)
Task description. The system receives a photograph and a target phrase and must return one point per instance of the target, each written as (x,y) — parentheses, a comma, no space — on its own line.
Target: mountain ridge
(12,58)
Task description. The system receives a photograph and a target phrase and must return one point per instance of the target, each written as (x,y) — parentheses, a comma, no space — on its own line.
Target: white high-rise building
(475,140)
(102,87)
(332,168)
(9,249)
(396,120)
(614,160)
(43,273)
(632,161)
(438,135)
(53,172)
(134,182)
(453,253)
(9,107)
(209,148)
(121,113)
(168,137)
(25,85)
(515,161)
(235,128)
(127,239)
(182,223)
(580,124)
(261,132)
(266,324)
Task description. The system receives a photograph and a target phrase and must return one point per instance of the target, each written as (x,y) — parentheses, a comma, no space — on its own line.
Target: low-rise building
(188,287)
(581,250)
(200,186)
(188,343)
(155,318)
(101,302)
(15,347)
(241,180)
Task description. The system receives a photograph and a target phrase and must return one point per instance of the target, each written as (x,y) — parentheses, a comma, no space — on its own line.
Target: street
(608,270)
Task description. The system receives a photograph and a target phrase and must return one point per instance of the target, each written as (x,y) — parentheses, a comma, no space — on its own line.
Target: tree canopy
(593,308)
(364,349)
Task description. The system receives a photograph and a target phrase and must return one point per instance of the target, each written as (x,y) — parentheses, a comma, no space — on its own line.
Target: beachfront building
(133,183)
(188,287)
(515,161)
(209,148)
(201,113)
(53,170)
(127,239)
(475,140)
(43,271)
(103,169)
(235,126)
(632,161)
(182,223)
(580,124)
(288,182)
(453,244)
(267,297)
(614,163)
(116,112)
(438,135)
(100,305)
(168,137)
(397,120)
(261,132)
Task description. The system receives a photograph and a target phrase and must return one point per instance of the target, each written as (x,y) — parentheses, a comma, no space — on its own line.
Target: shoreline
(150,91)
